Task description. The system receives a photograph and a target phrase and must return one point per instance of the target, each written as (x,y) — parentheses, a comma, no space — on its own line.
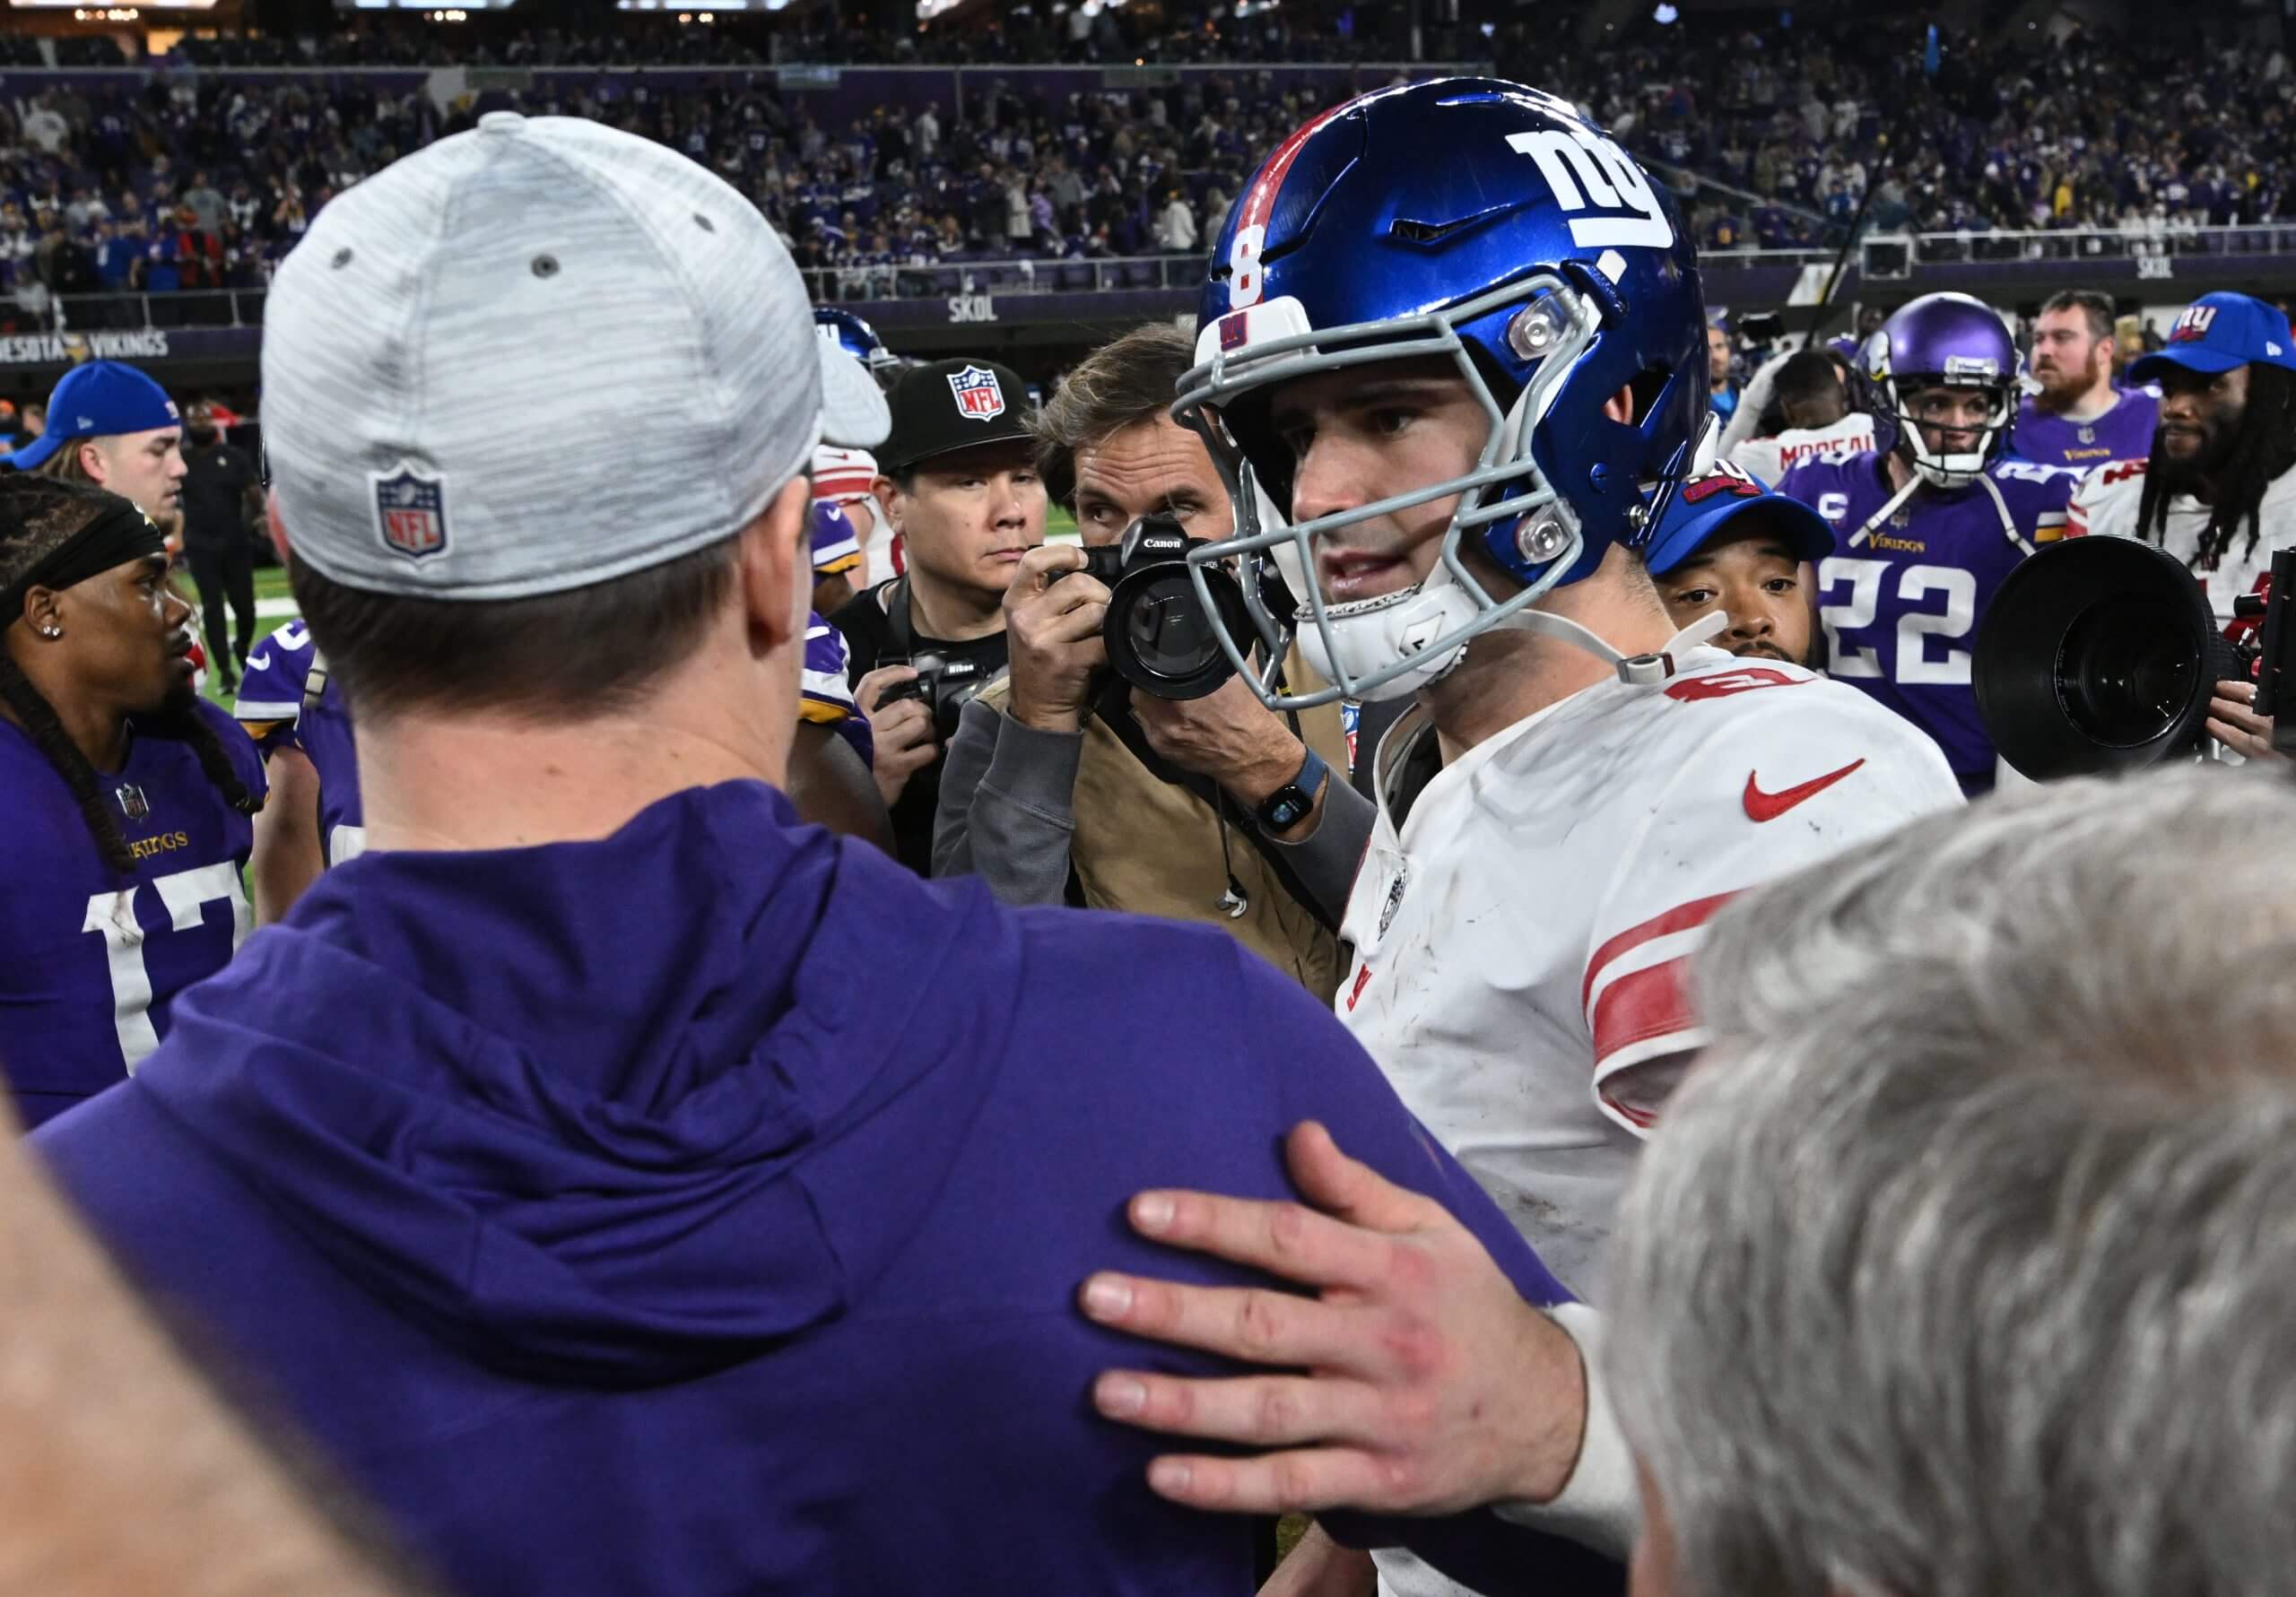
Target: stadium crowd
(748,988)
(1774,149)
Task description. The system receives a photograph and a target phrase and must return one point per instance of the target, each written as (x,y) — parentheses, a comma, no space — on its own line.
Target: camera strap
(898,627)
(1114,710)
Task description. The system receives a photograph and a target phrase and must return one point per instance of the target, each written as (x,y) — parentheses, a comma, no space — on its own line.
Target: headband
(121,534)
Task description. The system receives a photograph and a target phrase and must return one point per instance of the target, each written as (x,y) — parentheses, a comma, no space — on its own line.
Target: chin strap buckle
(1646,671)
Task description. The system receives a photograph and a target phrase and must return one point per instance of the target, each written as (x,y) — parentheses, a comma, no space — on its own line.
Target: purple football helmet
(1946,341)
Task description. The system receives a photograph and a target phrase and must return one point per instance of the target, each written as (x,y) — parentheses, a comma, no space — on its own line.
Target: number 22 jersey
(90,960)
(1901,609)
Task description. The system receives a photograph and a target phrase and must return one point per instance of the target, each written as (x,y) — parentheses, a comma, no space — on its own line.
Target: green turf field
(275,607)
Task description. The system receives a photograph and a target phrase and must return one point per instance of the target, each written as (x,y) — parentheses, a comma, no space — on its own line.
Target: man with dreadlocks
(2219,490)
(127,801)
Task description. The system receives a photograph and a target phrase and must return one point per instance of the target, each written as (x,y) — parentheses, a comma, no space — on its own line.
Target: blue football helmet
(856,338)
(1489,223)
(1951,341)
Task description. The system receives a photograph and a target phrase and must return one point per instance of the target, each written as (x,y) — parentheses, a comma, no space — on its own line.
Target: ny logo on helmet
(1589,172)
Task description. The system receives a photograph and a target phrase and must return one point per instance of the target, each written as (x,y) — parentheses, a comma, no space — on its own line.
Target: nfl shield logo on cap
(411,512)
(978,394)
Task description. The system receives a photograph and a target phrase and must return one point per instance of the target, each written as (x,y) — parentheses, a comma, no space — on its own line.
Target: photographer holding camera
(1069,782)
(960,488)
(2219,490)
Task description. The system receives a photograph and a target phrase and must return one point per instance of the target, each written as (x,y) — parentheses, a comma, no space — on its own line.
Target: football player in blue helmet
(858,339)
(1538,276)
(1453,359)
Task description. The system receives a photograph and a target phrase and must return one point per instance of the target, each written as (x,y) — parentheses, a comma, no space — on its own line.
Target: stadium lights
(1665,14)
(82,12)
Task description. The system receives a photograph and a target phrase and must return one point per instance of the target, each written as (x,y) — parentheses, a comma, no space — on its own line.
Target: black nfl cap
(950,405)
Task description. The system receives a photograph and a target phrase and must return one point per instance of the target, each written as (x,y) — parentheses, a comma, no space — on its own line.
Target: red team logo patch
(1725,478)
(410,513)
(980,396)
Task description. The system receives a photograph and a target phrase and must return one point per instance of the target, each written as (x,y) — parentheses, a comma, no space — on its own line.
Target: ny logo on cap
(1725,478)
(2193,323)
(411,512)
(978,394)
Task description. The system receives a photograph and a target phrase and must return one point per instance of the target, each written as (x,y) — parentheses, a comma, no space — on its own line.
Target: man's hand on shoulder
(1431,1386)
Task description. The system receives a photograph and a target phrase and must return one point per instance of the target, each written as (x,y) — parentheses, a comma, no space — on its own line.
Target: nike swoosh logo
(1769,806)
(258,662)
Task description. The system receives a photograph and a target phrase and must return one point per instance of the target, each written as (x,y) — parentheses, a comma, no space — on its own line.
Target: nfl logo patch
(132,802)
(979,395)
(410,513)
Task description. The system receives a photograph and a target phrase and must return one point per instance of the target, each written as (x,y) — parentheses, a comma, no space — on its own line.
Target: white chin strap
(1992,491)
(1398,626)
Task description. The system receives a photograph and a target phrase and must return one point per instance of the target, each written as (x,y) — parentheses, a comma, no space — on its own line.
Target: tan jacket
(1148,847)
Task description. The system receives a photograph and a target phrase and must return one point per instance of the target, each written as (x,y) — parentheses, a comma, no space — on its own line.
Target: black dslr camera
(943,686)
(2100,655)
(1159,638)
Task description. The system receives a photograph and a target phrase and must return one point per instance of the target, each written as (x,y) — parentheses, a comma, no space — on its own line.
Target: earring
(51,631)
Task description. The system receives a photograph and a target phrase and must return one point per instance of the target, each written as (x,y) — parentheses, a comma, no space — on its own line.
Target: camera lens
(1167,629)
(2126,671)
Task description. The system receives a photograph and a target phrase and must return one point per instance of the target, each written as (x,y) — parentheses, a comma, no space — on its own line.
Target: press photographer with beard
(127,799)
(1065,784)
(2219,490)
(959,485)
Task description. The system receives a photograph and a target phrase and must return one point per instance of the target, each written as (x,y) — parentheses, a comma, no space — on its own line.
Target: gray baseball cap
(445,348)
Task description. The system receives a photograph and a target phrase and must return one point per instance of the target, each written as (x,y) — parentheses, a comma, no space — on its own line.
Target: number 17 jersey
(91,961)
(1901,610)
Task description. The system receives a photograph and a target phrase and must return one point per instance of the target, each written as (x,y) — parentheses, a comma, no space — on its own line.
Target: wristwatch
(1289,804)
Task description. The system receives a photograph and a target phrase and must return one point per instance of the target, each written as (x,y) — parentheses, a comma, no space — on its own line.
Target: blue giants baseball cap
(2217,332)
(1707,503)
(101,400)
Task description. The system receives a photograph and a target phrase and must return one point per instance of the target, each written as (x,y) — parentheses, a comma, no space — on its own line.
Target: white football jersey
(1522,932)
(2108,499)
(1769,459)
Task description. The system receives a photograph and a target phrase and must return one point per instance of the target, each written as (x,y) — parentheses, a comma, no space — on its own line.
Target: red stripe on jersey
(1645,1005)
(1682,917)
(842,486)
(1259,203)
(1642,1118)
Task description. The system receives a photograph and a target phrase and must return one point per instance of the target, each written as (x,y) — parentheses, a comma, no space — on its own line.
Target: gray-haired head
(1962,1265)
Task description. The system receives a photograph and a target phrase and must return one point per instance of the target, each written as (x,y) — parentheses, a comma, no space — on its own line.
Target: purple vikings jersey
(89,963)
(1901,610)
(825,697)
(271,687)
(836,546)
(272,707)
(667,1259)
(2123,432)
